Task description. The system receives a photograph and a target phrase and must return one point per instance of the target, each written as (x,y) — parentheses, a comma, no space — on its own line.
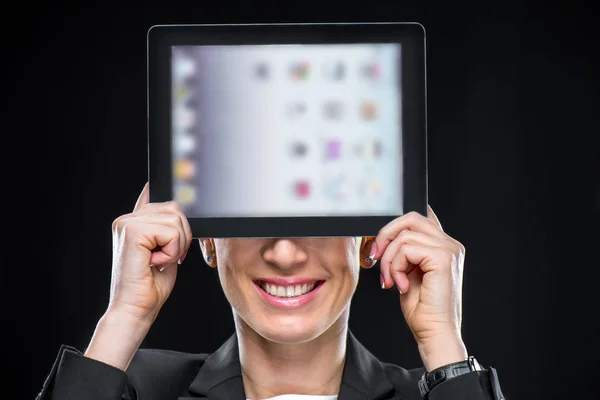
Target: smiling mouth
(285,292)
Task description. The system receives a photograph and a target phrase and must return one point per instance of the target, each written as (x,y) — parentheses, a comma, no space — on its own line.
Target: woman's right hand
(148,245)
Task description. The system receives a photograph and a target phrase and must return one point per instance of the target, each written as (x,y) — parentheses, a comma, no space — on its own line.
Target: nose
(285,253)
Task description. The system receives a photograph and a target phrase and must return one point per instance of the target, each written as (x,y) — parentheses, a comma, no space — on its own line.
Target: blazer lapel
(363,377)
(220,378)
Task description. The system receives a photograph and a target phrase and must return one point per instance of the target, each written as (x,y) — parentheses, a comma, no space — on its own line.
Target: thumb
(144,197)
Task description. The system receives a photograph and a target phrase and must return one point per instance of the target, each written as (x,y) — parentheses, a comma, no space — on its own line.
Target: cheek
(231,287)
(355,264)
(234,258)
(353,257)
(228,274)
(354,271)
(350,269)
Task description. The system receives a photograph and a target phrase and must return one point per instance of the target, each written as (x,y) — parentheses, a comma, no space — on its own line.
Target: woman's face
(288,290)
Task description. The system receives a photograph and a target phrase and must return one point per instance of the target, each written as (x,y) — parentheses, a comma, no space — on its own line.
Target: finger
(411,257)
(163,241)
(188,234)
(431,215)
(167,240)
(413,221)
(401,267)
(404,237)
(414,276)
(170,207)
(143,198)
(172,220)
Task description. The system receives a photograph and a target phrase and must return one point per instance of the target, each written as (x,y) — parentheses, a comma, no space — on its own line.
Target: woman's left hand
(426,265)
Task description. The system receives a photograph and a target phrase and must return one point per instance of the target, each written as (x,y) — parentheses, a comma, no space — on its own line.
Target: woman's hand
(148,245)
(426,265)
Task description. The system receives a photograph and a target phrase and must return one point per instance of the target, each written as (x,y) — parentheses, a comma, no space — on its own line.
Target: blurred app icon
(300,71)
(302,189)
(299,149)
(296,109)
(333,110)
(184,67)
(185,194)
(184,143)
(371,71)
(369,148)
(335,71)
(184,169)
(184,117)
(374,149)
(262,71)
(368,110)
(181,93)
(371,188)
(336,188)
(333,149)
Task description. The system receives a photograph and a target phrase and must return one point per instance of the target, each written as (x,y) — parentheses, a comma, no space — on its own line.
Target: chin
(290,330)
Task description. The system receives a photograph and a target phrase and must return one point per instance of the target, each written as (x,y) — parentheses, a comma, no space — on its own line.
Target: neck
(270,369)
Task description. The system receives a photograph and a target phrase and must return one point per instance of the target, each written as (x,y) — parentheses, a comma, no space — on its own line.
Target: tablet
(288,130)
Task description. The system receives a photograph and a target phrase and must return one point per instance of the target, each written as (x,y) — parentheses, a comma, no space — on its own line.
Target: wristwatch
(431,379)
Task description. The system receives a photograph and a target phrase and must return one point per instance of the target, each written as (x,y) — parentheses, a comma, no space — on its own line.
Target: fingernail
(162,269)
(398,289)
(182,258)
(373,251)
(381,281)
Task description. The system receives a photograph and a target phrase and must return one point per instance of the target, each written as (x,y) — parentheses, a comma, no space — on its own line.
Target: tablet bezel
(411,36)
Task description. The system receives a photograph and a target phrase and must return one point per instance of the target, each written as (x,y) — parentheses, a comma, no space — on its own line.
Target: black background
(513,167)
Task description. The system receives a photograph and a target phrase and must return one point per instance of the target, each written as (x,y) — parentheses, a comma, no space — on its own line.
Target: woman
(290,300)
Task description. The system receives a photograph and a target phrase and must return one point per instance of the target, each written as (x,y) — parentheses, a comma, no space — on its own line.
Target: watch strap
(431,379)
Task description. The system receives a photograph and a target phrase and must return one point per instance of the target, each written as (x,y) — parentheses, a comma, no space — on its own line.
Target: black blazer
(171,375)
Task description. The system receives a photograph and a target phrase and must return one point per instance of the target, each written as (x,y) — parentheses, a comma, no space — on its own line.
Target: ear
(365,249)
(207,246)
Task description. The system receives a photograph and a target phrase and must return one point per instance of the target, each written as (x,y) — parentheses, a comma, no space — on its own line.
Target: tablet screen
(287,130)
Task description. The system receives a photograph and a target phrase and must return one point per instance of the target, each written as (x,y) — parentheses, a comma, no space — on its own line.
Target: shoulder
(403,379)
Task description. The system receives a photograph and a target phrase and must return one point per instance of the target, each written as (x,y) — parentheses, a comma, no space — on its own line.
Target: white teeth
(287,291)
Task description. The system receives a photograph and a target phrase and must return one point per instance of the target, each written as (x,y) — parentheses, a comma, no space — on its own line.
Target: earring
(209,259)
